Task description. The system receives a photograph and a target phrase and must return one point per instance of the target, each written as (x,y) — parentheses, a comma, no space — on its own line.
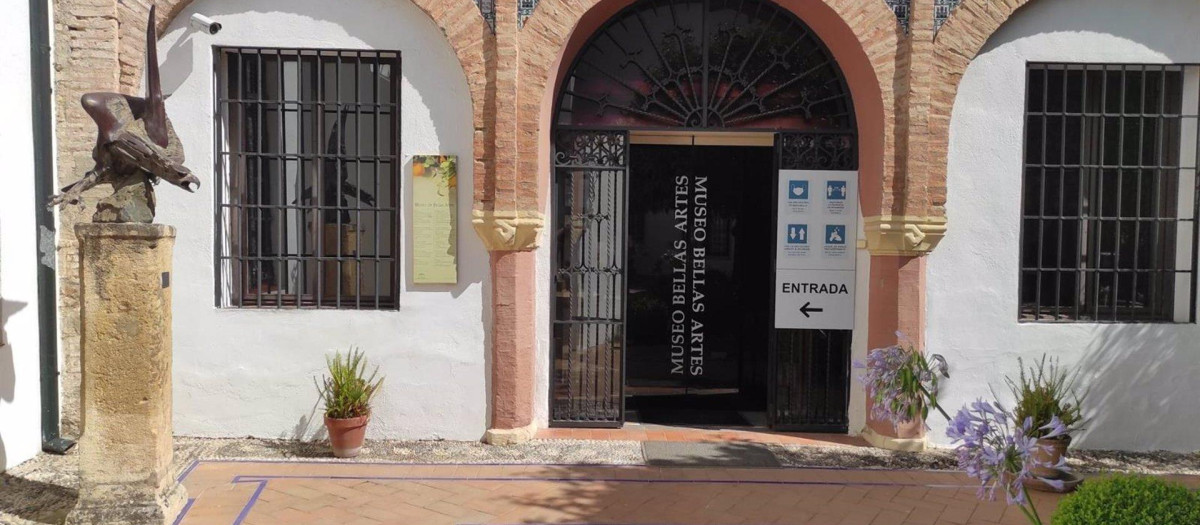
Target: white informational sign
(814,299)
(814,259)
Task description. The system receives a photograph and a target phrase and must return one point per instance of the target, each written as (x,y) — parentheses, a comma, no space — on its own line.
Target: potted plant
(347,391)
(902,384)
(996,448)
(1041,394)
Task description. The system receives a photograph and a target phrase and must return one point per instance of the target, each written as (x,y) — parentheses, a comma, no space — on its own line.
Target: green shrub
(347,390)
(1129,500)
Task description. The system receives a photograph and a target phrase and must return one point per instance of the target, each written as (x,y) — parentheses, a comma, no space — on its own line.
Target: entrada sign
(829,288)
(814,259)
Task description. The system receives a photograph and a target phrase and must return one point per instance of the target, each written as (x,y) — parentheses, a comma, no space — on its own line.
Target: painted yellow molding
(508,230)
(903,234)
(893,443)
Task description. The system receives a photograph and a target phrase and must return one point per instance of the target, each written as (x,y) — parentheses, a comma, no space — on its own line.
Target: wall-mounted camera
(206,24)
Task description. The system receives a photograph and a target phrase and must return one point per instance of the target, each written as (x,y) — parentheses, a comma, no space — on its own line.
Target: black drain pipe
(43,167)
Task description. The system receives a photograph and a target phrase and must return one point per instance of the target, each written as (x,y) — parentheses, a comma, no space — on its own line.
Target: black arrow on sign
(809,308)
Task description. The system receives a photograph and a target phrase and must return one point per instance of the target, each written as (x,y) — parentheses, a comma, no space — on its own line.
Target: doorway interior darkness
(699,266)
(713,67)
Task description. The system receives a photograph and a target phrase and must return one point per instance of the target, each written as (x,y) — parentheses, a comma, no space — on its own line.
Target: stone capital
(508,230)
(905,235)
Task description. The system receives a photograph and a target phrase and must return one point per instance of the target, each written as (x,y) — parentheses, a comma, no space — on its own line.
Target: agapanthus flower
(901,382)
(993,448)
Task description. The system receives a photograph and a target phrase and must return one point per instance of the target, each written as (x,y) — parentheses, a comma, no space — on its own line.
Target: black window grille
(1109,193)
(308,185)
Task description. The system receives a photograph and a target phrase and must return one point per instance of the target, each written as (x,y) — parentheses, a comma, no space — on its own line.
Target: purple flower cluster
(881,378)
(901,383)
(994,448)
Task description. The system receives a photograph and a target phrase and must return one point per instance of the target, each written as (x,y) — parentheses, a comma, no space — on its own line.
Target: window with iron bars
(308,187)
(1110,193)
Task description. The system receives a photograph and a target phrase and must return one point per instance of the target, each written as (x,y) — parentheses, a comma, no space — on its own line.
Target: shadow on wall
(176,64)
(310,427)
(1137,376)
(8,370)
(1104,16)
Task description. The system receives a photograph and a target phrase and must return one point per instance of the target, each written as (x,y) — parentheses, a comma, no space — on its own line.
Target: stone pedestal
(125,449)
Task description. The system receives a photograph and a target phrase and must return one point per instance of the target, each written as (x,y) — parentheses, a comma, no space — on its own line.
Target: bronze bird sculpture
(135,148)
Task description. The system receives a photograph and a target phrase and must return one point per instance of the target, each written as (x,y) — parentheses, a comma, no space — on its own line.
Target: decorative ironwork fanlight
(706,64)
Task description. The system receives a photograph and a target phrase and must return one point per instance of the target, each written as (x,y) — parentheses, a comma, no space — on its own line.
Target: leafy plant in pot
(903,383)
(1042,393)
(347,391)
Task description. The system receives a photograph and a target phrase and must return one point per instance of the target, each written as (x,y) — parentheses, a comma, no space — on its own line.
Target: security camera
(205,24)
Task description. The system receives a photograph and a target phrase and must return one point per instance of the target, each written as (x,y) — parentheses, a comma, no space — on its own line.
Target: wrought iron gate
(591,174)
(698,65)
(811,368)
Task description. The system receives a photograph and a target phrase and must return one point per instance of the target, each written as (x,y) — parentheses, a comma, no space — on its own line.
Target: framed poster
(435,219)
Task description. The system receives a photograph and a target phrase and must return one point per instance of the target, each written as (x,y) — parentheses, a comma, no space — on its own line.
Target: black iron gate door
(811,368)
(591,170)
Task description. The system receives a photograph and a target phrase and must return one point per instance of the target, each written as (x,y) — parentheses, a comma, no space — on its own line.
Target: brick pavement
(355,493)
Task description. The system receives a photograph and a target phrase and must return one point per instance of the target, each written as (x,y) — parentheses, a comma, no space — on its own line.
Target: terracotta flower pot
(912,429)
(346,435)
(1049,452)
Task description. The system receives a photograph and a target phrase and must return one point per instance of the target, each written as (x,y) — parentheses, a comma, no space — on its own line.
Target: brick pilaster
(897,279)
(87,47)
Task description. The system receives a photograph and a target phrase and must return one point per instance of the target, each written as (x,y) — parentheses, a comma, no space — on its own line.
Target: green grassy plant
(347,390)
(1044,391)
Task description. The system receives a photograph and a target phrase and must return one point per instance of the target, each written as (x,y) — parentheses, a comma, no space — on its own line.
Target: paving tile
(494,494)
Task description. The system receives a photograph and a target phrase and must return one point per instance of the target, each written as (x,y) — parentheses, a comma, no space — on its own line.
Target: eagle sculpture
(135,148)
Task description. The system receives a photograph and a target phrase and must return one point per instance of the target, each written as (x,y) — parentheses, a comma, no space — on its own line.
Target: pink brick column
(897,304)
(513,339)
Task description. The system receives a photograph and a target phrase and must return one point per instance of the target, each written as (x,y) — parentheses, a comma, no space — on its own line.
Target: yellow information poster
(434,222)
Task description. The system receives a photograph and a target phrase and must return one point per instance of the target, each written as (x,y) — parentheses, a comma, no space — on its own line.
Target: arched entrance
(670,131)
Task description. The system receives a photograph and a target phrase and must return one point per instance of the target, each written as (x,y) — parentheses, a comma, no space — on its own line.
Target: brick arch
(459,20)
(862,35)
(956,44)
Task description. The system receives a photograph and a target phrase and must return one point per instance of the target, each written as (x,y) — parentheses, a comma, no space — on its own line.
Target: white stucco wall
(1144,378)
(247,372)
(20,400)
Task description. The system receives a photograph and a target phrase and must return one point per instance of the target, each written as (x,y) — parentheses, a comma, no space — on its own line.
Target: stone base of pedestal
(125,319)
(130,510)
(877,440)
(510,436)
